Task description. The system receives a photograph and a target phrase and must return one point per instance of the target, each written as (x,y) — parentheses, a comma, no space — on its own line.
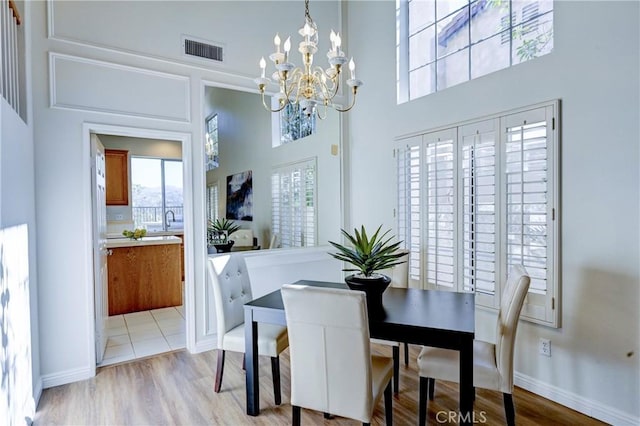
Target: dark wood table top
(408,307)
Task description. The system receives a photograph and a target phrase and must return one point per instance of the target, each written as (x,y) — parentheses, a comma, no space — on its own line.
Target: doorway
(143,332)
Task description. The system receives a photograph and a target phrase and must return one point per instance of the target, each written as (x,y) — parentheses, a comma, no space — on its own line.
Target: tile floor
(141,334)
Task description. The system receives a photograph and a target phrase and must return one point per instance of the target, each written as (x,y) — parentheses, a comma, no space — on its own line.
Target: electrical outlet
(119,217)
(545,347)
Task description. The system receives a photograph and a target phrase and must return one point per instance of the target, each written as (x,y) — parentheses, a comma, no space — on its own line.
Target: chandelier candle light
(308,86)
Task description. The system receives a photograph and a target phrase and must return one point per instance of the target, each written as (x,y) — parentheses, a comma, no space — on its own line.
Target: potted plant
(218,232)
(368,255)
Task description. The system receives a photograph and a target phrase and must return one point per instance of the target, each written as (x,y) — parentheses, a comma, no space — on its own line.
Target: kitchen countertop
(118,235)
(144,241)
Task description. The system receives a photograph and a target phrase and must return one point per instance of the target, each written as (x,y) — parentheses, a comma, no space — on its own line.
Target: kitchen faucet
(166,219)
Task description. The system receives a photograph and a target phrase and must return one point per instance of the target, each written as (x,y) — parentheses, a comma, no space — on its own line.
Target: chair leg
(406,354)
(388,407)
(328,416)
(509,409)
(295,421)
(422,401)
(244,362)
(275,372)
(396,369)
(219,371)
(432,388)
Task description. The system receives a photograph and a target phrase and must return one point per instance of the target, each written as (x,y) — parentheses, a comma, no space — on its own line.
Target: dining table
(437,318)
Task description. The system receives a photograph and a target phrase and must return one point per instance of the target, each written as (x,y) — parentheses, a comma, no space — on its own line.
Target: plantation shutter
(213,199)
(293,195)
(409,206)
(479,210)
(440,209)
(529,198)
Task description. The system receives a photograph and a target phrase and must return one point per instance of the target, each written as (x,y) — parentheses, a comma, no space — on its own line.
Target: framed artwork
(240,196)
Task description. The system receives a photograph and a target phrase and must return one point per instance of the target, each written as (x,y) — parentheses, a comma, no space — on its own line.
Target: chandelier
(311,88)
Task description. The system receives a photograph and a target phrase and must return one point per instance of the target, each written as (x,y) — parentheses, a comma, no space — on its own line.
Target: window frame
(212,146)
(508,32)
(538,308)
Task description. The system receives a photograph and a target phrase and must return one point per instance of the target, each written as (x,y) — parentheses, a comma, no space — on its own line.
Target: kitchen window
(157,194)
(480,197)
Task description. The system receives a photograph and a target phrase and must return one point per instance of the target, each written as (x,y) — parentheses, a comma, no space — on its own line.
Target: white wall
(594,71)
(122,66)
(17,188)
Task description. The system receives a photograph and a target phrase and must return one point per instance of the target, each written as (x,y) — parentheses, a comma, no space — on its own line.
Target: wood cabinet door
(117,177)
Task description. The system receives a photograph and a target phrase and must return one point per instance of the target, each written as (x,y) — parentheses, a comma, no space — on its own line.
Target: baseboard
(576,402)
(37,392)
(68,376)
(205,345)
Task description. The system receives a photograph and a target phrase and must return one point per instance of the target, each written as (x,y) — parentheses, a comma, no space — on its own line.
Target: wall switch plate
(334,149)
(545,347)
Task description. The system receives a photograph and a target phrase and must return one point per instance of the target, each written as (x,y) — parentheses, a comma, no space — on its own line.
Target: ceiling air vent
(202,50)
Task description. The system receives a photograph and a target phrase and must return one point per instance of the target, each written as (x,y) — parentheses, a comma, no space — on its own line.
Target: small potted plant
(218,232)
(368,255)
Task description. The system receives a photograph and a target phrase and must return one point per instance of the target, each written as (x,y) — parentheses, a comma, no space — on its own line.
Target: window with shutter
(212,201)
(440,214)
(293,195)
(474,200)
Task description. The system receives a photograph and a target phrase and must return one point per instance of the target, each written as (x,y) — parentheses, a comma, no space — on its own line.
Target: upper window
(291,124)
(157,194)
(478,198)
(441,43)
(211,144)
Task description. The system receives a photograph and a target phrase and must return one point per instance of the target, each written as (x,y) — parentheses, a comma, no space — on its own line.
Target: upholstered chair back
(329,350)
(231,290)
(510,307)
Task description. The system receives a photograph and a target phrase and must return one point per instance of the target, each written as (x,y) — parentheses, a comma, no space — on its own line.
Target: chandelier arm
(353,101)
(318,112)
(269,109)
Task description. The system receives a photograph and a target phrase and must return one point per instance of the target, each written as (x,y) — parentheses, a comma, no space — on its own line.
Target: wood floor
(177,389)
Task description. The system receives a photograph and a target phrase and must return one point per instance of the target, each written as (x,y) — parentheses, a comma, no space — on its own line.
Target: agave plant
(368,254)
(220,227)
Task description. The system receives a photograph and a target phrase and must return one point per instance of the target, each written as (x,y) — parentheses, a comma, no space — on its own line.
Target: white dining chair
(231,290)
(492,363)
(332,369)
(399,275)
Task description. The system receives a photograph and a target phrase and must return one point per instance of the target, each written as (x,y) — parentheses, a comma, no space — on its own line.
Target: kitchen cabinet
(117,177)
(181,236)
(144,274)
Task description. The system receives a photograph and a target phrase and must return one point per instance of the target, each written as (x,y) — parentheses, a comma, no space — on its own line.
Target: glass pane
(489,56)
(488,19)
(453,69)
(421,48)
(533,38)
(146,193)
(453,33)
(421,14)
(422,81)
(445,7)
(173,194)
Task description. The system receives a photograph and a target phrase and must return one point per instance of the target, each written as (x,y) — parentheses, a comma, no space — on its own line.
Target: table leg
(466,382)
(251,357)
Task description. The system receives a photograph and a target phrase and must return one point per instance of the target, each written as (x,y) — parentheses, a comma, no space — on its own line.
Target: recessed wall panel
(90,85)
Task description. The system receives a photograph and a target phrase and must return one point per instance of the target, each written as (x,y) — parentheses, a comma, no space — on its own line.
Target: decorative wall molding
(67,376)
(69,91)
(244,81)
(576,402)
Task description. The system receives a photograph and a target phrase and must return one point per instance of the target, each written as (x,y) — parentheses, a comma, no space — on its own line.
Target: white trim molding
(576,402)
(67,376)
(178,85)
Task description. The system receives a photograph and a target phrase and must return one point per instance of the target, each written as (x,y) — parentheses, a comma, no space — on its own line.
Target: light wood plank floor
(177,389)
